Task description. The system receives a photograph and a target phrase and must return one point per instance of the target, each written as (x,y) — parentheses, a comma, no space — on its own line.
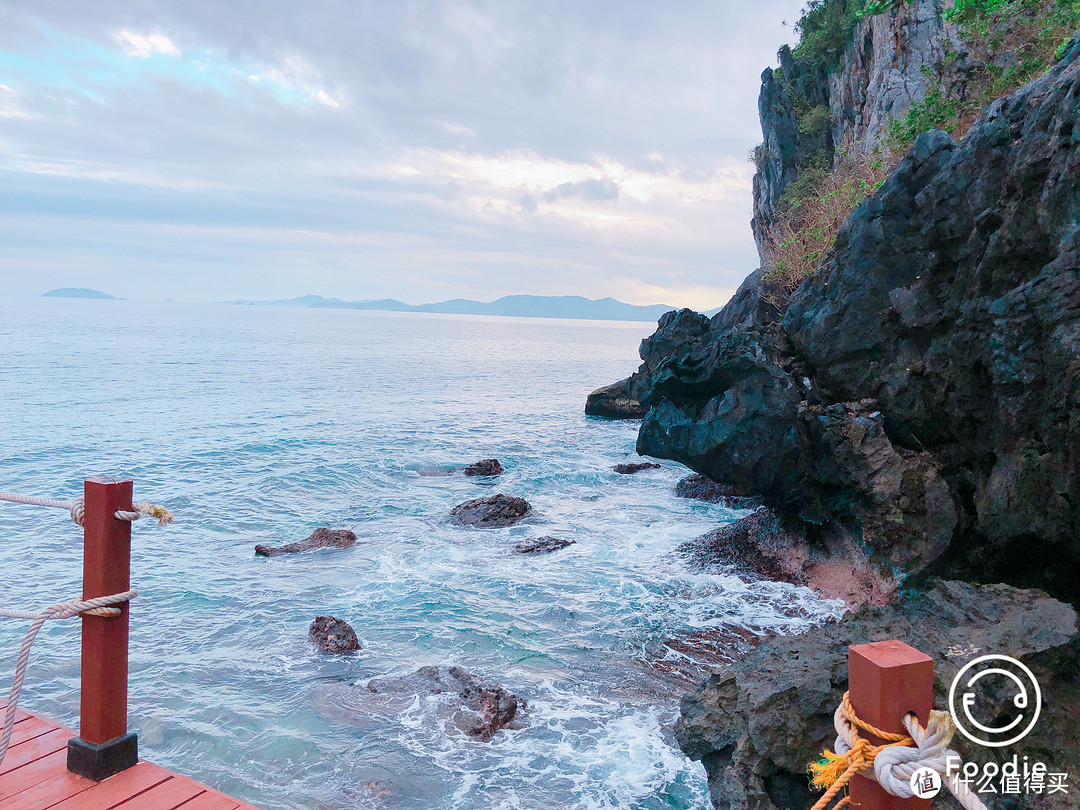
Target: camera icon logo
(1021,712)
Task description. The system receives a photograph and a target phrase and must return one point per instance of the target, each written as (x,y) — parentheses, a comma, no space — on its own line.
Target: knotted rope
(76,510)
(98,606)
(893,763)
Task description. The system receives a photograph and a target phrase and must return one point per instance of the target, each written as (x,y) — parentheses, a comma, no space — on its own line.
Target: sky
(422,151)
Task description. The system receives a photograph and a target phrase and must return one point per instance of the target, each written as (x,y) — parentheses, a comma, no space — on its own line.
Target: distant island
(79,292)
(528,306)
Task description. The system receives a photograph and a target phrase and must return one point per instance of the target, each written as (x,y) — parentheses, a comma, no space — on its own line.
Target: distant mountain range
(528,306)
(79,292)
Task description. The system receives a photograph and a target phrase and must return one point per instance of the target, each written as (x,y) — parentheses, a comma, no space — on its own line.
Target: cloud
(369,149)
(145,45)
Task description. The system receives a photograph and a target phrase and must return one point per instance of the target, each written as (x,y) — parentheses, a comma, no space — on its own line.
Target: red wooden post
(103,746)
(887,680)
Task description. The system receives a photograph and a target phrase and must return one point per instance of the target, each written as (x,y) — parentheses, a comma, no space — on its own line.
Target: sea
(256,425)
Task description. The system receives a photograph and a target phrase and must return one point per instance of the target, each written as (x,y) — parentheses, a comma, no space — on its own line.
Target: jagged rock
(481,709)
(320,538)
(699,488)
(620,400)
(759,721)
(333,635)
(918,397)
(493,511)
(487,466)
(635,467)
(541,545)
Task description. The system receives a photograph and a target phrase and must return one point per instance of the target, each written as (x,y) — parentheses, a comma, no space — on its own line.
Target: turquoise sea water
(257,425)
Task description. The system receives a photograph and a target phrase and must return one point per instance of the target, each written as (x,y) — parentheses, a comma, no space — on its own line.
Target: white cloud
(145,45)
(294,73)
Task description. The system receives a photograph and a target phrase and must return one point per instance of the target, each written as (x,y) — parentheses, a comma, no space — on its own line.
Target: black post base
(100,761)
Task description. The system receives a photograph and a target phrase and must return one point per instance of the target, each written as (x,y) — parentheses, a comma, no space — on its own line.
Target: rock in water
(479,710)
(700,488)
(333,635)
(491,512)
(757,723)
(638,466)
(320,538)
(616,401)
(542,545)
(487,466)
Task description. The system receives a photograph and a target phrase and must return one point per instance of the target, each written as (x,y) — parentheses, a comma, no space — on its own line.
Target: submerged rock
(637,466)
(320,538)
(619,400)
(490,512)
(480,709)
(700,488)
(541,545)
(757,723)
(487,466)
(332,635)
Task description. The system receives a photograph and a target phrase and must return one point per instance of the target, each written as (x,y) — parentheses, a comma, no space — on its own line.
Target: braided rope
(893,764)
(98,606)
(76,508)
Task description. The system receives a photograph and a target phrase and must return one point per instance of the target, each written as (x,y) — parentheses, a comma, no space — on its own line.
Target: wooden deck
(34,776)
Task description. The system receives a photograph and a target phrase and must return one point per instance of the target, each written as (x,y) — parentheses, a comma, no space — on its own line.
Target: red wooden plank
(166,796)
(32,773)
(888,679)
(35,749)
(106,570)
(29,728)
(211,800)
(61,784)
(110,792)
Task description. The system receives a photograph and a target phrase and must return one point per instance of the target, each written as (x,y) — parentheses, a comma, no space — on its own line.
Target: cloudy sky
(381,148)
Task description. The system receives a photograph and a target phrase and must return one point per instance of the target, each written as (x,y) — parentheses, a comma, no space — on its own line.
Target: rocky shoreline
(909,419)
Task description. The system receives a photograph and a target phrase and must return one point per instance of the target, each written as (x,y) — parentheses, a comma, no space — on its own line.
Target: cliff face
(920,396)
(811,120)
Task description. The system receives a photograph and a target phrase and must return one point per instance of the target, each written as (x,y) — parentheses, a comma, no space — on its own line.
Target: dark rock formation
(491,512)
(541,545)
(480,709)
(320,538)
(699,488)
(621,400)
(333,636)
(759,721)
(635,467)
(486,466)
(916,405)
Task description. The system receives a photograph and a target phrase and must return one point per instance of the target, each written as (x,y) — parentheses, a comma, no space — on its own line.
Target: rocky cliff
(913,411)
(811,119)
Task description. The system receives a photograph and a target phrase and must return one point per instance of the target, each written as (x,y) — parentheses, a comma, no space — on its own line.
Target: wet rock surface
(490,512)
(332,635)
(485,467)
(479,709)
(541,545)
(635,467)
(619,400)
(320,538)
(700,488)
(759,721)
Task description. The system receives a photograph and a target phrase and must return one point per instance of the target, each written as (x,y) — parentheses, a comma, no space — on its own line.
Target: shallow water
(257,425)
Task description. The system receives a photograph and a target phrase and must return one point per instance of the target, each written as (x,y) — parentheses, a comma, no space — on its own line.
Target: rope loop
(893,764)
(98,606)
(77,508)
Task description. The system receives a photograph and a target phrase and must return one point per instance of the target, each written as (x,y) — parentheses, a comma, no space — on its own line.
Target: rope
(893,763)
(98,606)
(76,508)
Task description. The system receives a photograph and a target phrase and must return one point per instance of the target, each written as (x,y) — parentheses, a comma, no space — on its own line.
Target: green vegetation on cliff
(1006,43)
